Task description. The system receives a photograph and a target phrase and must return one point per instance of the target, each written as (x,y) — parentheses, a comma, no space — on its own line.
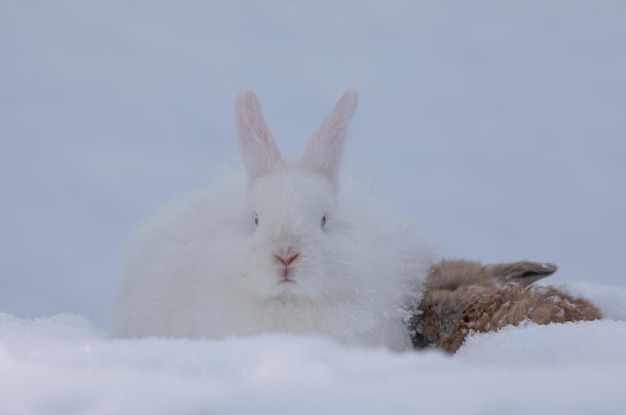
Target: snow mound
(581,343)
(64,365)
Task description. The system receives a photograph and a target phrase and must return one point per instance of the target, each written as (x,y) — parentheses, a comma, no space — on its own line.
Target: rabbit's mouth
(287,276)
(286,285)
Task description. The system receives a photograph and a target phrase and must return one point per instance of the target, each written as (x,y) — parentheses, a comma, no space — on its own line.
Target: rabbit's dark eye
(256,219)
(323,222)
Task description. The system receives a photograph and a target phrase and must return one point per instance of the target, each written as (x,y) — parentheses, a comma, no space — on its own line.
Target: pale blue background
(500,127)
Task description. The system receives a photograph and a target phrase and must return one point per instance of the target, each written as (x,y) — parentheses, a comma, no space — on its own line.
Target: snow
(65,365)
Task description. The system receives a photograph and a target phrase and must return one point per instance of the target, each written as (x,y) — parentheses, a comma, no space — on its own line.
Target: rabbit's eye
(323,222)
(256,219)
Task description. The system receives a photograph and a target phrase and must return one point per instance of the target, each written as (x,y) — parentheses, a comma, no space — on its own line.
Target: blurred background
(499,127)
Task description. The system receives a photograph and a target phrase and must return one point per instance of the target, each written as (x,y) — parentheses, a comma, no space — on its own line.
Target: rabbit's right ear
(325,149)
(523,272)
(259,152)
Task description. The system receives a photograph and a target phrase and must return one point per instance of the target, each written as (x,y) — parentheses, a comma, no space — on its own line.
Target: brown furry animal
(463,297)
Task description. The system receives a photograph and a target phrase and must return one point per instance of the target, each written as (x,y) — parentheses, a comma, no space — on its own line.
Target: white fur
(202,268)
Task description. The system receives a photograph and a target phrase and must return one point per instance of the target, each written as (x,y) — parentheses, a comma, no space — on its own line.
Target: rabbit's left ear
(259,152)
(523,272)
(325,149)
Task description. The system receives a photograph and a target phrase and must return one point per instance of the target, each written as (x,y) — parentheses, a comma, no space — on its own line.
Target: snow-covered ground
(64,365)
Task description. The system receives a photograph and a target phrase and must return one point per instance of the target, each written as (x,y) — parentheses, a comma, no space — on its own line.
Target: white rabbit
(290,248)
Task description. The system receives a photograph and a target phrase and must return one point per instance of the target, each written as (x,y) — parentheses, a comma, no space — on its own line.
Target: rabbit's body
(462,297)
(288,249)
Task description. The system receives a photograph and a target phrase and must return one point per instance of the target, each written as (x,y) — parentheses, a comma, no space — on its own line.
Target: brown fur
(463,297)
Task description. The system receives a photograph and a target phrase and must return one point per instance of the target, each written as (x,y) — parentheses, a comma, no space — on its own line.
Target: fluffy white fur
(287,248)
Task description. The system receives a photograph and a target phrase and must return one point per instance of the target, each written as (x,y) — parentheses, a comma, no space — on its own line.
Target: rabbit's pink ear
(259,151)
(324,150)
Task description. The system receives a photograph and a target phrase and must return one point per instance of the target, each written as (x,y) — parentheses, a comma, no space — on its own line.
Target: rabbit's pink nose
(286,259)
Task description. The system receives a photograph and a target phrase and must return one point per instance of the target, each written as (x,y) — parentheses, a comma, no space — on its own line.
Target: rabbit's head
(291,205)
